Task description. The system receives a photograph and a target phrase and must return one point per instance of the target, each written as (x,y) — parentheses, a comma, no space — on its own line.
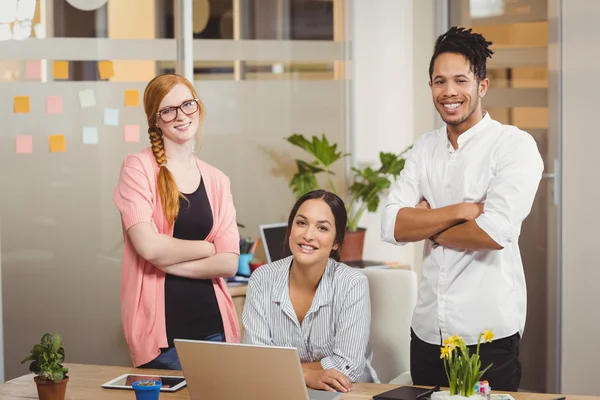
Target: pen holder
(244,264)
(147,390)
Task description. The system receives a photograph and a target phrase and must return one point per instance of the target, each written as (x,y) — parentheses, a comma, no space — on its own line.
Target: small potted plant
(46,358)
(364,194)
(147,389)
(463,370)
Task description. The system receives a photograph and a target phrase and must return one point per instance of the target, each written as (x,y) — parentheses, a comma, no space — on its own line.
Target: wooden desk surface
(85,381)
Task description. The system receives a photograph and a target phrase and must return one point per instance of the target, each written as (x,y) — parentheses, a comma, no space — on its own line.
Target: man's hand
(330,380)
(471,211)
(424,205)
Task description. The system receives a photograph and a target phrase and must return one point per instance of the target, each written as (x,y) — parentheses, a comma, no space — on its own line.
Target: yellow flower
(445,353)
(487,335)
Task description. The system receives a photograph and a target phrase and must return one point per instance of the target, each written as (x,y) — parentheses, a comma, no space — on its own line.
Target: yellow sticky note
(60,70)
(21,104)
(132,98)
(57,143)
(106,69)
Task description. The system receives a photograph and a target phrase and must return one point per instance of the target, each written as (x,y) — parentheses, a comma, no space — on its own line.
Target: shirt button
(448,186)
(441,297)
(443,269)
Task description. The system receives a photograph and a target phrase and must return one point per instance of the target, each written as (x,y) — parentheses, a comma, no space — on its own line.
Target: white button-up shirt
(463,292)
(336,328)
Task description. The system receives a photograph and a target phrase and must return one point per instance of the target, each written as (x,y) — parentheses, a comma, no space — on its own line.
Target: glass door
(523,93)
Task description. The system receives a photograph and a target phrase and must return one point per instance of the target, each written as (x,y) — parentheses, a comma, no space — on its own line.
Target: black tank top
(191,307)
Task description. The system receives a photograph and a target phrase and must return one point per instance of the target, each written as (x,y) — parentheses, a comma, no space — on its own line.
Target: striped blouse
(335,330)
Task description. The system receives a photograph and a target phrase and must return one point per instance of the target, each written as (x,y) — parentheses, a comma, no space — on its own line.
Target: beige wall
(581,194)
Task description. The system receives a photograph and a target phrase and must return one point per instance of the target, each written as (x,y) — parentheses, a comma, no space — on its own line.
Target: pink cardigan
(143,285)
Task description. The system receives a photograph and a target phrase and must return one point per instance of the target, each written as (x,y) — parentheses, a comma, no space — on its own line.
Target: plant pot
(352,248)
(147,392)
(50,390)
(445,395)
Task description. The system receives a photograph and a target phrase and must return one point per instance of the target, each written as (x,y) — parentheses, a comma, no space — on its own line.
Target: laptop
(273,239)
(232,371)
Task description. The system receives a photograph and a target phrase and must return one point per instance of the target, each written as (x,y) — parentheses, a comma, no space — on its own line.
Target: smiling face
(456,92)
(313,232)
(176,125)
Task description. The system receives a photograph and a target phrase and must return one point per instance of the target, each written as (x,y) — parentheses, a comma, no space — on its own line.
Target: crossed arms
(492,225)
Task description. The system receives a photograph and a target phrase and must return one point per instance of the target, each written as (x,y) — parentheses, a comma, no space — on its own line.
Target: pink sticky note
(53,105)
(33,69)
(132,133)
(24,144)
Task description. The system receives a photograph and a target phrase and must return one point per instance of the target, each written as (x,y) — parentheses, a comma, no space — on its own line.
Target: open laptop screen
(273,238)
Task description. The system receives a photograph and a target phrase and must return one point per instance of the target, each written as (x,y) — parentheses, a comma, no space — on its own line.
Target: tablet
(169,383)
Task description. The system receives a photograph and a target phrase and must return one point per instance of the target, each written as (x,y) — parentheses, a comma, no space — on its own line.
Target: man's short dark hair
(473,46)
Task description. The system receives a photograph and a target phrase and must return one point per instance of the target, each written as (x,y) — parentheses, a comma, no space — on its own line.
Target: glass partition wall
(74,72)
(524,92)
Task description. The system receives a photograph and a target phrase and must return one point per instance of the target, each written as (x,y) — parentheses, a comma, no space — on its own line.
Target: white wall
(391,99)
(581,196)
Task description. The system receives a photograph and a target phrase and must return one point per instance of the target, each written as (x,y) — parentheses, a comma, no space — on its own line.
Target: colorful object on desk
(147,390)
(484,389)
(244,264)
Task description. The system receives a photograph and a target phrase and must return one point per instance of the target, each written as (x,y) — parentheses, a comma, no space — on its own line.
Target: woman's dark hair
(338,209)
(473,46)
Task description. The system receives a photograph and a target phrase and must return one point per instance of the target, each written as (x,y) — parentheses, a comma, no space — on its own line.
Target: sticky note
(111,116)
(90,135)
(132,133)
(21,104)
(33,70)
(53,105)
(57,143)
(87,98)
(24,144)
(60,70)
(106,69)
(132,98)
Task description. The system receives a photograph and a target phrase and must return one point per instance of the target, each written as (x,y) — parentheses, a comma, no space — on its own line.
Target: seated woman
(313,302)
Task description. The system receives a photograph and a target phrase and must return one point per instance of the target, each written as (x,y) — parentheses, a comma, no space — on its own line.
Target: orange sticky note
(132,133)
(53,105)
(57,143)
(33,69)
(60,70)
(24,144)
(106,69)
(21,104)
(132,98)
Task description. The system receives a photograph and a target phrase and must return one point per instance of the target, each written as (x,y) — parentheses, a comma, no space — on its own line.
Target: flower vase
(445,395)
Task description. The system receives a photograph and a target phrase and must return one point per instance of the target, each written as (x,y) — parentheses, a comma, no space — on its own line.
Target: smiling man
(466,189)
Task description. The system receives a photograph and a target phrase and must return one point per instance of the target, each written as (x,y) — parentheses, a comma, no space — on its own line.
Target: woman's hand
(330,380)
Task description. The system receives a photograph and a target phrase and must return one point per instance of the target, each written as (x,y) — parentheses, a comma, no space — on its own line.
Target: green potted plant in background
(365,191)
(46,358)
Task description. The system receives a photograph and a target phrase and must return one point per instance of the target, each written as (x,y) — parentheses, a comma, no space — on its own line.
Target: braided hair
(473,46)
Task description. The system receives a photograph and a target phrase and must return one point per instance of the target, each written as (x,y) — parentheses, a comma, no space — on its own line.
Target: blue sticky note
(90,135)
(111,116)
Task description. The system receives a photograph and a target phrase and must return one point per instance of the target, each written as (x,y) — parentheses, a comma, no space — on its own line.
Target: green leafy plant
(367,184)
(46,358)
(463,369)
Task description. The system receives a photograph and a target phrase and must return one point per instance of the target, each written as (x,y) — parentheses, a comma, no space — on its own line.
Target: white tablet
(169,383)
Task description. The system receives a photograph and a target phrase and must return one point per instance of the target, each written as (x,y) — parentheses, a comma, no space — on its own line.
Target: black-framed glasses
(169,114)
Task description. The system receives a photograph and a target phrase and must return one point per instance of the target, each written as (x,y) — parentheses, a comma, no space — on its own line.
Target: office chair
(393,298)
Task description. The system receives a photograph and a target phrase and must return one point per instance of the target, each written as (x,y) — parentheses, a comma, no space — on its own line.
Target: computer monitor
(273,239)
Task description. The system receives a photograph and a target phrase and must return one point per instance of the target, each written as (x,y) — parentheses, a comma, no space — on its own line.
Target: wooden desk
(85,381)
